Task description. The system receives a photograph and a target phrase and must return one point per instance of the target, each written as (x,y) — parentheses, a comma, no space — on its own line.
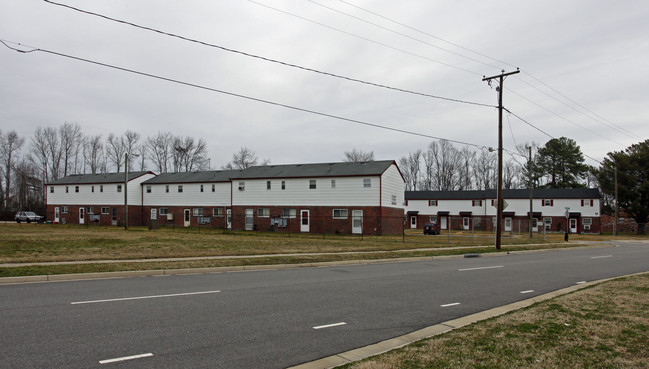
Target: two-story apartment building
(344,197)
(98,198)
(553,210)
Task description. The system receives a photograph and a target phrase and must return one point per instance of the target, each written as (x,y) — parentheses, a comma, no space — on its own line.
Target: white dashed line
(143,297)
(581,282)
(329,325)
(447,305)
(125,358)
(602,257)
(489,267)
(528,291)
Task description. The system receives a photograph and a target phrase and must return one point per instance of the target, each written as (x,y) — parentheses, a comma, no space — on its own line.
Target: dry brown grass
(605,326)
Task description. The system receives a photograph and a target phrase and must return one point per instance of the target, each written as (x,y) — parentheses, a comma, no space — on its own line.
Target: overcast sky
(573,55)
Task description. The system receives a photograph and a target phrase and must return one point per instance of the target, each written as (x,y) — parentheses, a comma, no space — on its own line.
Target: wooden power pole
(499,216)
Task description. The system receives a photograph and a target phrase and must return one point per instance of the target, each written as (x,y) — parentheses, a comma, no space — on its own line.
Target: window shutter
(542,202)
(582,202)
(551,202)
(591,202)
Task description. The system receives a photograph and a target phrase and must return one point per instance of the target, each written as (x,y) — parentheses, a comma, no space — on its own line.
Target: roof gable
(343,169)
(98,178)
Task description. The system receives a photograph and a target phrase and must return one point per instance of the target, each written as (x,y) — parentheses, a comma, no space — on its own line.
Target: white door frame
(57,214)
(535,225)
(508,224)
(305,221)
(466,223)
(413,221)
(82,215)
(573,225)
(154,214)
(443,222)
(357,221)
(228,218)
(249,219)
(187,217)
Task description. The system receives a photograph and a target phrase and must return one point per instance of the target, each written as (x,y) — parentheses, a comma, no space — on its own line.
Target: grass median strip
(603,326)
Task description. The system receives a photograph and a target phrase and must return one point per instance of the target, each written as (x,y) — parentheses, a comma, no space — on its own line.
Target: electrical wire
(263,57)
(367,39)
(150,75)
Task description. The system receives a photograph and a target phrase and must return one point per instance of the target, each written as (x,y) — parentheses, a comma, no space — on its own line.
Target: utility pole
(617,214)
(499,216)
(529,172)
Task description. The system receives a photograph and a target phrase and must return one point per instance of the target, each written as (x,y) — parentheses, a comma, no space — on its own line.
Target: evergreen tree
(561,163)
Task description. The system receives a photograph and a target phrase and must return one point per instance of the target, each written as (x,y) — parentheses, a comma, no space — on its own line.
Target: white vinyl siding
(110,196)
(191,195)
(391,184)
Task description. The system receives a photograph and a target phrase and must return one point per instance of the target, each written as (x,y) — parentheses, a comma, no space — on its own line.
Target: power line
(427,34)
(402,34)
(264,58)
(150,75)
(367,39)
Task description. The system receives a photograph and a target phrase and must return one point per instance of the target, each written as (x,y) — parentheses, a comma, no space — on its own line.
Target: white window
(548,202)
(289,213)
(367,182)
(166,189)
(64,209)
(432,219)
(242,186)
(263,212)
(180,188)
(51,189)
(340,214)
(218,212)
(587,222)
(101,188)
(476,203)
(105,210)
(548,223)
(92,189)
(164,211)
(394,199)
(312,184)
(201,188)
(119,188)
(148,189)
(268,185)
(213,188)
(76,188)
(333,183)
(283,185)
(432,202)
(197,212)
(66,189)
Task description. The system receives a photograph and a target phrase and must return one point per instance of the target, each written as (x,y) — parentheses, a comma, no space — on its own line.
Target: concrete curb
(401,341)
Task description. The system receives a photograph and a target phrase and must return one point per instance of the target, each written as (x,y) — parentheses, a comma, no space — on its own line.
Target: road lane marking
(527,291)
(480,268)
(143,297)
(125,358)
(581,282)
(601,257)
(447,305)
(329,325)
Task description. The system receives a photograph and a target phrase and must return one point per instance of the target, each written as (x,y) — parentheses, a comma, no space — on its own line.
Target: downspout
(381,205)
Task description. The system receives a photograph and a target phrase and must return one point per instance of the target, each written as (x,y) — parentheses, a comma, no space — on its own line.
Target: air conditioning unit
(170,216)
(587,227)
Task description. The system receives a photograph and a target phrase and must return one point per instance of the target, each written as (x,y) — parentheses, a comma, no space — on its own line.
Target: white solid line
(447,305)
(108,361)
(527,291)
(581,282)
(329,325)
(143,297)
(601,257)
(490,267)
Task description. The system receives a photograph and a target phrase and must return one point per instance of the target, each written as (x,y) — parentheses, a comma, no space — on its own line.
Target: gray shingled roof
(98,178)
(537,193)
(193,177)
(343,169)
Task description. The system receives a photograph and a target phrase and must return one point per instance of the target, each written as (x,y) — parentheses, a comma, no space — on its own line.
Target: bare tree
(10,144)
(115,149)
(93,152)
(189,154)
(409,166)
(130,140)
(29,188)
(467,158)
(70,139)
(358,156)
(158,150)
(443,161)
(485,170)
(245,158)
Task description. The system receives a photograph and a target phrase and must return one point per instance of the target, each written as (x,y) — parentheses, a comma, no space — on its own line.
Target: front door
(573,225)
(535,225)
(357,221)
(187,219)
(228,218)
(466,224)
(442,224)
(154,214)
(249,219)
(57,214)
(82,215)
(413,221)
(304,221)
(508,224)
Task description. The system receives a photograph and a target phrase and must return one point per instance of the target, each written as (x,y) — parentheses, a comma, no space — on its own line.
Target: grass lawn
(604,326)
(38,243)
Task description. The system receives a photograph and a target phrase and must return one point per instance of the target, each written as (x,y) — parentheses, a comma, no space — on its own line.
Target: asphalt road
(276,318)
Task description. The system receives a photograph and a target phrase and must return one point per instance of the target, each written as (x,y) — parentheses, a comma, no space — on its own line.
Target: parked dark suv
(28,216)
(431,228)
